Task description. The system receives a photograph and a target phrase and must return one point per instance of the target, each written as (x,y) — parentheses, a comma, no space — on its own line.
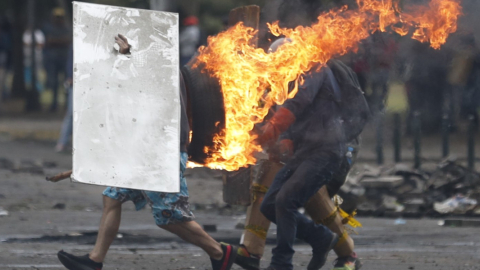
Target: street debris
(3,212)
(457,204)
(26,165)
(210,227)
(400,191)
(400,221)
(59,206)
(59,177)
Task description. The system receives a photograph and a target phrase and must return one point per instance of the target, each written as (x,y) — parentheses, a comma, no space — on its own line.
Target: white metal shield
(126,107)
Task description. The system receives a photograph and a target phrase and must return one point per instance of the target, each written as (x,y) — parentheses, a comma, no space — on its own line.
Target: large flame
(253,80)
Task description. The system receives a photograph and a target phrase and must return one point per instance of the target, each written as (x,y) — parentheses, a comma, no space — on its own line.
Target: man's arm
(292,108)
(306,92)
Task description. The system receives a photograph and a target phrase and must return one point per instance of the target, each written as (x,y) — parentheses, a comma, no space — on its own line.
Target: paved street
(45,217)
(419,244)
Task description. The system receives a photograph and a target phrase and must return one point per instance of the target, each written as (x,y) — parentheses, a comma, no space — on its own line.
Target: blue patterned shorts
(167,208)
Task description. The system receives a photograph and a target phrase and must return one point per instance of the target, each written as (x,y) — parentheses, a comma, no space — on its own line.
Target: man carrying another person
(311,127)
(321,209)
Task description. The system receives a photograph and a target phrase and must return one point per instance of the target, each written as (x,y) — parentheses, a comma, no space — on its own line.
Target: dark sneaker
(351,262)
(73,262)
(319,256)
(229,255)
(246,260)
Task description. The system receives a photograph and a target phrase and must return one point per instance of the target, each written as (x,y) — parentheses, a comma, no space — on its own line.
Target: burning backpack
(353,106)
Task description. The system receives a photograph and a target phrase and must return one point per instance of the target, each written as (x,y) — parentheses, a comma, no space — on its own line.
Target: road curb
(461,223)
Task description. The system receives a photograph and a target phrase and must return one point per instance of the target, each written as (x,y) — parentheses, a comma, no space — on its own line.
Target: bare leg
(112,212)
(192,232)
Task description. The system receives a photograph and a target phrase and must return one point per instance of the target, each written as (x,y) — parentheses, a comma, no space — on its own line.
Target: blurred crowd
(45,53)
(437,83)
(47,65)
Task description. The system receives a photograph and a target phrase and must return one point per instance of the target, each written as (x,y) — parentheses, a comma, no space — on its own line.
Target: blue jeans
(67,124)
(292,187)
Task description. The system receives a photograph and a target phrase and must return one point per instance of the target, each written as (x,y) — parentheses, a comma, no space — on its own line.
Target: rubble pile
(399,190)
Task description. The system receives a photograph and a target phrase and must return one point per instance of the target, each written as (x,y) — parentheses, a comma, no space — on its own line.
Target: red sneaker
(229,254)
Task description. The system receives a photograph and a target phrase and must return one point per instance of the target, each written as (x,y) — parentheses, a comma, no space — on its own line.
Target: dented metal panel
(126,107)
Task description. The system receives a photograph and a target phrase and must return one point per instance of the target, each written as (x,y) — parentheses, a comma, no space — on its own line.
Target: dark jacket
(318,125)
(184,125)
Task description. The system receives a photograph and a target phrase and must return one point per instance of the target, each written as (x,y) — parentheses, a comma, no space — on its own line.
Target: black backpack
(352,103)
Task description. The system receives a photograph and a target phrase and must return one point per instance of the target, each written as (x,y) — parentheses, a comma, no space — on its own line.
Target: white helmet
(277,43)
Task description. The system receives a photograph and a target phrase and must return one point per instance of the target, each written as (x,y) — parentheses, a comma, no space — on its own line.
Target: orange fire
(252,80)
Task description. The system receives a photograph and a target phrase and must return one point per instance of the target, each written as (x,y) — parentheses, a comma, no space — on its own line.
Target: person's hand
(282,151)
(286,148)
(122,42)
(268,134)
(279,123)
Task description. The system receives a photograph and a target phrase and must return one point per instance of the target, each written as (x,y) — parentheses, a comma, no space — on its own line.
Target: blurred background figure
(189,39)
(359,64)
(471,92)
(67,124)
(27,54)
(426,85)
(381,55)
(58,39)
(5,55)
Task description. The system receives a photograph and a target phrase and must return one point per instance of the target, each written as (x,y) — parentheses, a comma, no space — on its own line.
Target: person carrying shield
(171,211)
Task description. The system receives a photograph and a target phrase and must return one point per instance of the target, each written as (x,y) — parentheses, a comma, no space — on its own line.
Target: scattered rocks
(6,164)
(3,212)
(240,226)
(26,165)
(210,227)
(59,206)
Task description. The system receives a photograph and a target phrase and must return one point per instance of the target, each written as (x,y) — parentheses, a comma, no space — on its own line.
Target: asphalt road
(45,217)
(31,239)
